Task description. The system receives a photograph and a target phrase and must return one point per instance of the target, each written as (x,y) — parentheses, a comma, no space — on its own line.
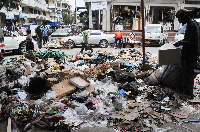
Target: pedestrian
(28,41)
(118,37)
(45,31)
(38,32)
(20,31)
(85,44)
(189,53)
(132,37)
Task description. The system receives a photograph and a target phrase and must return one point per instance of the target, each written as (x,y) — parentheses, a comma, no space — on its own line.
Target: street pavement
(75,51)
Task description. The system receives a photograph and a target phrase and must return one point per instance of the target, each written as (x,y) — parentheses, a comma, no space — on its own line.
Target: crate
(169,56)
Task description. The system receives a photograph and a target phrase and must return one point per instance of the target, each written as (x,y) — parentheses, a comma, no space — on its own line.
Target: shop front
(126,14)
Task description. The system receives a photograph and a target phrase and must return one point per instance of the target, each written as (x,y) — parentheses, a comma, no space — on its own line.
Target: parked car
(12,41)
(154,35)
(59,34)
(180,34)
(95,37)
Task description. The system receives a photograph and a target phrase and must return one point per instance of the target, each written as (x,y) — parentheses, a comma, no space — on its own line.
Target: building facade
(66,7)
(126,13)
(35,11)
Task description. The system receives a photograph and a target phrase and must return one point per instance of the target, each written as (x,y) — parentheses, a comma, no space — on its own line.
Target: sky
(80,3)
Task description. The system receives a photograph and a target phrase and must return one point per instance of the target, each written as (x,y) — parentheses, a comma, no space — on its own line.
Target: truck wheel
(22,48)
(103,43)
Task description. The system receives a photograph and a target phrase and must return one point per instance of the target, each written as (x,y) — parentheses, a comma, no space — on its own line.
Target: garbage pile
(103,90)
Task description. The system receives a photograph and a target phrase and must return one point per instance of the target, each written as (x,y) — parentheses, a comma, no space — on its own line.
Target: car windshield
(152,29)
(182,30)
(60,31)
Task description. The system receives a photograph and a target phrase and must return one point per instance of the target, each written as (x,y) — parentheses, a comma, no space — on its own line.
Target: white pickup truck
(154,35)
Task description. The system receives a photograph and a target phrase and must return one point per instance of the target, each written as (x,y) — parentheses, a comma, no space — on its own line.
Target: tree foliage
(83,18)
(68,19)
(7,3)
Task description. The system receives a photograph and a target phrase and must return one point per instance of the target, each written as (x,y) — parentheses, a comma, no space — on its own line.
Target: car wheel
(22,48)
(103,43)
(72,44)
(64,46)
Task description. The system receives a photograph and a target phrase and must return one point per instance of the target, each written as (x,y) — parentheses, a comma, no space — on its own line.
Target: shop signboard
(9,15)
(98,5)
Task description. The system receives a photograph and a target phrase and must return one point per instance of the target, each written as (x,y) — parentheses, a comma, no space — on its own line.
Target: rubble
(100,90)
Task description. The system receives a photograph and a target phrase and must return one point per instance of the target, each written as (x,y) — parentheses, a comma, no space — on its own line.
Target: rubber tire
(72,44)
(103,43)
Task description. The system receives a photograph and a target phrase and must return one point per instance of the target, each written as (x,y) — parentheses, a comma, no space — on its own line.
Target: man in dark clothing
(189,54)
(39,37)
(28,41)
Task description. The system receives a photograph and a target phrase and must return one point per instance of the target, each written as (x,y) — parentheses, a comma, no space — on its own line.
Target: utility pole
(143,34)
(76,12)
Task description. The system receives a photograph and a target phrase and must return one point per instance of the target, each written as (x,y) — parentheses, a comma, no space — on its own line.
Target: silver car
(95,37)
(59,34)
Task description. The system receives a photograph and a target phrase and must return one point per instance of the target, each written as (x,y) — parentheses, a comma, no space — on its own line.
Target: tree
(7,3)
(68,19)
(83,18)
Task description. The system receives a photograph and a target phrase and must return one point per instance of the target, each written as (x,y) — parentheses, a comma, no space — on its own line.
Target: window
(95,33)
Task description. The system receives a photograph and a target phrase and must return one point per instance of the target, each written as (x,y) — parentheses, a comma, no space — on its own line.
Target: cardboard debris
(154,126)
(152,113)
(167,118)
(79,82)
(28,70)
(90,88)
(194,101)
(128,114)
(51,81)
(63,88)
(178,115)
(115,65)
(132,105)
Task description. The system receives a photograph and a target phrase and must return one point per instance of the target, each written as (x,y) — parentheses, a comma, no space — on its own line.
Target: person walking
(85,42)
(118,37)
(45,31)
(39,37)
(189,52)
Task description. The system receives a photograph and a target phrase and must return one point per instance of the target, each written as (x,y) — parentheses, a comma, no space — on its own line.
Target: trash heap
(103,90)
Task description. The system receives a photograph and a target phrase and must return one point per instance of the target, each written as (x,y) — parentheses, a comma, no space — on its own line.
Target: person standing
(45,31)
(39,37)
(20,31)
(85,42)
(189,52)
(118,37)
(132,37)
(28,41)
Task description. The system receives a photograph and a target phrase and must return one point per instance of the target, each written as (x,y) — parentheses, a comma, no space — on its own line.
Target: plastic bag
(169,76)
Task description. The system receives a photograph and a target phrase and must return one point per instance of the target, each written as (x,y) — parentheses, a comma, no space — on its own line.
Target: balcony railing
(52,6)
